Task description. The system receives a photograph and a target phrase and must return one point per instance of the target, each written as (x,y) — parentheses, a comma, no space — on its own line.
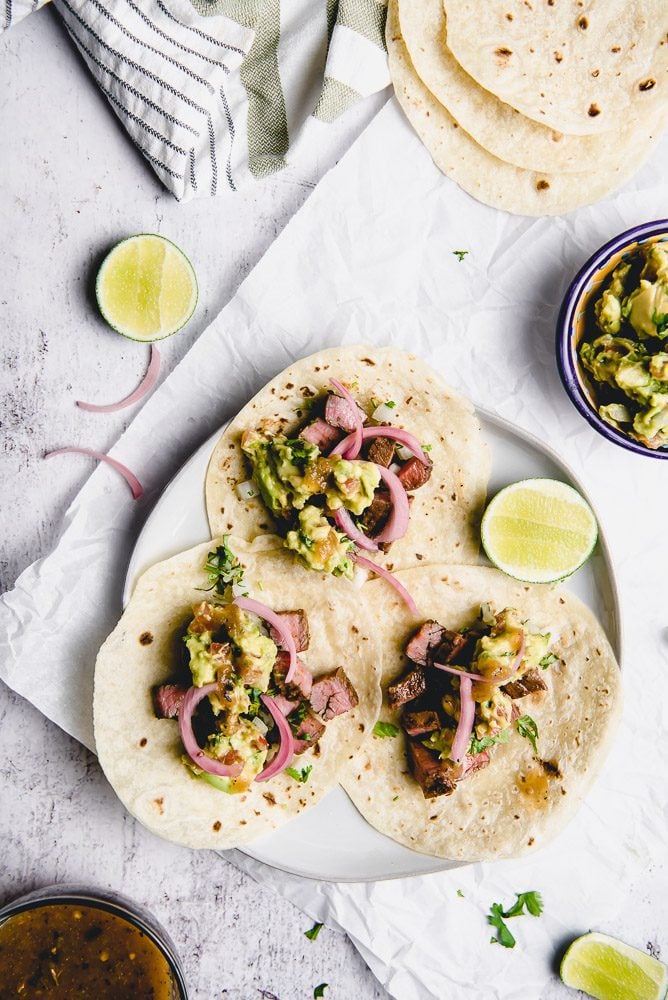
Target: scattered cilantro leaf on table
(460,254)
(314,931)
(319,991)
(460,893)
(384,729)
(497,916)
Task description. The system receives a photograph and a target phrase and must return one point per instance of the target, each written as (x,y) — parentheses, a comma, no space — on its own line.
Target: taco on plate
(500,704)
(232,692)
(354,453)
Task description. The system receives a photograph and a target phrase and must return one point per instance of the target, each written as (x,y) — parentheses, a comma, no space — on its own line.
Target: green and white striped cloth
(216,93)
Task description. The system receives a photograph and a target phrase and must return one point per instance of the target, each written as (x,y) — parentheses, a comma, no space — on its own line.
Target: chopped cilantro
(384,729)
(395,798)
(300,776)
(460,893)
(301,452)
(426,447)
(305,539)
(319,991)
(313,933)
(534,905)
(223,569)
(660,321)
(526,727)
(390,404)
(548,660)
(460,254)
(477,746)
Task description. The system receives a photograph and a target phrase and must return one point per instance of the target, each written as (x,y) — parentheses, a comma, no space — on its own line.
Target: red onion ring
(357,417)
(466,720)
(248,604)
(193,697)
(397,522)
(392,580)
(144,387)
(286,747)
(345,447)
(347,525)
(128,476)
(481,677)
(460,673)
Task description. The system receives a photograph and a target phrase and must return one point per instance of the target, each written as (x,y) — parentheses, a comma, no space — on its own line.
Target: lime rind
(608,969)
(161,333)
(538,533)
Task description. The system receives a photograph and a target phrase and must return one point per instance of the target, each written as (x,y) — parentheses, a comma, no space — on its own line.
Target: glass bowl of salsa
(612,340)
(66,940)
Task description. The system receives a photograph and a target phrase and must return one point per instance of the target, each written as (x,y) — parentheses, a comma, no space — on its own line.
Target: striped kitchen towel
(215,93)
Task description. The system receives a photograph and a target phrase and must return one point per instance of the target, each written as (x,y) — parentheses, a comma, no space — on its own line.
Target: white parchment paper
(370,258)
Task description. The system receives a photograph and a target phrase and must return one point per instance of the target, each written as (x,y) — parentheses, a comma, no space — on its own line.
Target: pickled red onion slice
(466,719)
(286,747)
(192,699)
(287,641)
(346,446)
(397,522)
(348,527)
(128,476)
(460,672)
(144,387)
(392,580)
(357,417)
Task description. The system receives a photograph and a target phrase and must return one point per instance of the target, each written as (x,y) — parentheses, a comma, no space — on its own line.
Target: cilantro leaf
(503,935)
(548,660)
(390,404)
(300,776)
(395,798)
(223,569)
(460,893)
(426,447)
(477,746)
(319,991)
(384,729)
(526,727)
(313,933)
(460,254)
(660,321)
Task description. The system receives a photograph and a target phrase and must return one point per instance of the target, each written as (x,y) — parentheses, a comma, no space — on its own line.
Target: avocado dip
(629,358)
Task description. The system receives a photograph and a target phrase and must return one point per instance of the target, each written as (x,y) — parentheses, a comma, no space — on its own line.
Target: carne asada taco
(220,716)
(351,451)
(500,703)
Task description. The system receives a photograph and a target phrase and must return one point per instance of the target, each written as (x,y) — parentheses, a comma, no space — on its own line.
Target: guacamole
(319,545)
(629,359)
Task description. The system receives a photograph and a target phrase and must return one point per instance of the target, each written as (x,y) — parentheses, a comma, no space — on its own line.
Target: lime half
(538,530)
(611,970)
(146,288)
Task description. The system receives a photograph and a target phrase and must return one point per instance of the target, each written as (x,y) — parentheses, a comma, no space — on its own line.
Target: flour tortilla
(141,755)
(578,66)
(498,127)
(445,513)
(483,176)
(516,804)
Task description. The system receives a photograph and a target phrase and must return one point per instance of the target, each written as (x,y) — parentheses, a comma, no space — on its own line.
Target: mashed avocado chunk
(243,649)
(630,361)
(245,743)
(288,473)
(319,545)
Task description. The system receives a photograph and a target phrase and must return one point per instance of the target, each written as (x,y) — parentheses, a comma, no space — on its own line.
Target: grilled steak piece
(168,699)
(414,474)
(427,638)
(374,517)
(434,776)
(297,624)
(449,648)
(410,686)
(471,764)
(381,451)
(307,732)
(302,680)
(529,683)
(419,723)
(333,695)
(339,413)
(322,434)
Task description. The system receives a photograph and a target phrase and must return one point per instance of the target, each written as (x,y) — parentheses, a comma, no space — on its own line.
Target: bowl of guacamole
(612,340)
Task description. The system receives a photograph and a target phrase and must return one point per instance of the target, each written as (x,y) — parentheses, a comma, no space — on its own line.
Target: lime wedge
(538,530)
(146,288)
(611,970)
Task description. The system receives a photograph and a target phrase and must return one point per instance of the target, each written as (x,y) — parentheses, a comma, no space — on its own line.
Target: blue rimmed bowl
(575,326)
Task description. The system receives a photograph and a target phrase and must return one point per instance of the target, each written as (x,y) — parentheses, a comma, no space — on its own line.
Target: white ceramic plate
(332,842)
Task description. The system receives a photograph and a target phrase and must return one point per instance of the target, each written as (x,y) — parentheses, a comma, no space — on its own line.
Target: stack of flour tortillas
(533,106)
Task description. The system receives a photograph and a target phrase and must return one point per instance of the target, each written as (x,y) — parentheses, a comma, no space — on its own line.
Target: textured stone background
(72,185)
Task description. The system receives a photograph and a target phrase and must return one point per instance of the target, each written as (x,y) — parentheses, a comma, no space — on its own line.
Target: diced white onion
(395,467)
(259,724)
(616,412)
(247,490)
(383,413)
(360,577)
(403,452)
(487,614)
(239,590)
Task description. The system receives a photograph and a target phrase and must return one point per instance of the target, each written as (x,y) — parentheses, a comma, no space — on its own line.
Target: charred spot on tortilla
(217,826)
(143,741)
(146,639)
